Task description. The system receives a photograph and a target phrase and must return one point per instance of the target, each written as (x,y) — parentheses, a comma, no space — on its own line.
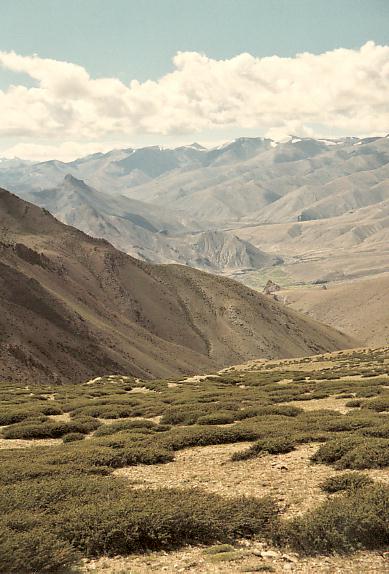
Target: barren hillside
(73,307)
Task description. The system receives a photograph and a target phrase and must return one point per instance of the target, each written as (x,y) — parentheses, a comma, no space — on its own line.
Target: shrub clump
(35,430)
(355,452)
(73,437)
(346,481)
(218,418)
(266,446)
(34,550)
(152,520)
(357,519)
(118,426)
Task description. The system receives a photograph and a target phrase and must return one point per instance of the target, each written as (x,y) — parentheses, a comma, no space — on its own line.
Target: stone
(269,554)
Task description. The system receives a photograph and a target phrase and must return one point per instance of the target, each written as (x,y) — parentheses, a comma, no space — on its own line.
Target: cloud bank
(344,90)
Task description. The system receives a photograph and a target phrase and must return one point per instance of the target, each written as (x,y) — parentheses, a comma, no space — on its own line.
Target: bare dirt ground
(328,403)
(251,558)
(290,478)
(23,443)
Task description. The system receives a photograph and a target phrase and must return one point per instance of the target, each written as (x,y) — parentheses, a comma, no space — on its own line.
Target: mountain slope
(359,308)
(72,307)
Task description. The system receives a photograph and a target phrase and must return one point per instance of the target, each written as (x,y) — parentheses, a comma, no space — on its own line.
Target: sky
(80,76)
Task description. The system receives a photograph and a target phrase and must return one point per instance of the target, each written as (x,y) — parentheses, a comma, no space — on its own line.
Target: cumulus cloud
(344,90)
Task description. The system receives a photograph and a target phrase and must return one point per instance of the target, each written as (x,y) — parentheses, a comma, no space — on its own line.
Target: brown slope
(72,307)
(359,308)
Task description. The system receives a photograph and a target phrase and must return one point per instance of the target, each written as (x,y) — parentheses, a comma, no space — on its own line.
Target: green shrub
(73,437)
(379,404)
(357,519)
(379,430)
(28,545)
(118,426)
(346,481)
(34,550)
(150,520)
(355,452)
(267,446)
(27,430)
(354,403)
(217,418)
(333,450)
(372,453)
(203,436)
(95,455)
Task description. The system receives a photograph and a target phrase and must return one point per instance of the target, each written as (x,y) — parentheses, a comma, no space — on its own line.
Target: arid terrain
(359,308)
(73,307)
(264,430)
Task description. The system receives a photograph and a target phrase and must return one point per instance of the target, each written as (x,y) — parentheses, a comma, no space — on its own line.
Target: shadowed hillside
(73,307)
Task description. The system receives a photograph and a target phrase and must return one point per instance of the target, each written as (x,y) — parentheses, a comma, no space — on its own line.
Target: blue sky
(138,39)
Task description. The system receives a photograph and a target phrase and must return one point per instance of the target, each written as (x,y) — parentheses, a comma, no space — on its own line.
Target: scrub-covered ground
(271,466)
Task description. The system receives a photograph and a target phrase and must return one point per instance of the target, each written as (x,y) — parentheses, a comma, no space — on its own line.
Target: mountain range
(73,307)
(302,212)
(242,206)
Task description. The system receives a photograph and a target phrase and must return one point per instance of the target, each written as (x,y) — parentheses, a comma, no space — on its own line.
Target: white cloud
(63,151)
(342,90)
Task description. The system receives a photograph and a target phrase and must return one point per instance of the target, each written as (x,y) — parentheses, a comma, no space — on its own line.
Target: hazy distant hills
(147,231)
(319,205)
(72,307)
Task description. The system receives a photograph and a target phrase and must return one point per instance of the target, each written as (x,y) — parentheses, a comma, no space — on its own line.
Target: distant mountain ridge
(265,202)
(146,231)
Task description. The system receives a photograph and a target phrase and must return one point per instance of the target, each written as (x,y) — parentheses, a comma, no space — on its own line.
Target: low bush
(357,519)
(118,426)
(114,456)
(354,403)
(34,550)
(333,450)
(73,437)
(354,452)
(217,418)
(379,430)
(372,453)
(379,404)
(178,439)
(27,430)
(150,520)
(267,446)
(346,481)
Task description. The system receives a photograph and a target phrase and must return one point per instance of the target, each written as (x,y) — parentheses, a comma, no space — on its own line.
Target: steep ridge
(72,307)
